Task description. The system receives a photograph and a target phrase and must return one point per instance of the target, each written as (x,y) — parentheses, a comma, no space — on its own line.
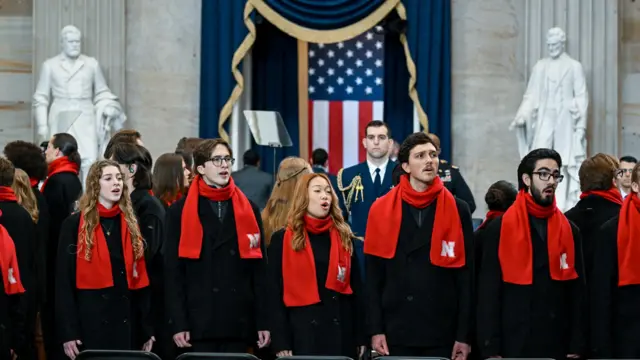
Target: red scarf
(515,250)
(33,182)
(385,217)
(612,195)
(299,267)
(9,264)
(7,194)
(247,230)
(492,214)
(169,200)
(629,241)
(60,165)
(96,273)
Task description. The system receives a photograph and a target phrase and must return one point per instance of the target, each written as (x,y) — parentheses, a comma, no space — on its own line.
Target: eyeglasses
(621,172)
(546,175)
(217,160)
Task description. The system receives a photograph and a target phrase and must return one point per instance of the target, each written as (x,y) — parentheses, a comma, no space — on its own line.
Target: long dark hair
(168,178)
(68,146)
(133,154)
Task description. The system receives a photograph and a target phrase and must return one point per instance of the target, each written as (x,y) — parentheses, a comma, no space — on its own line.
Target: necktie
(377,181)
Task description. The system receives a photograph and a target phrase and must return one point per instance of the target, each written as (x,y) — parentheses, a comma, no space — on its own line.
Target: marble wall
(630,76)
(163,70)
(488,83)
(16,52)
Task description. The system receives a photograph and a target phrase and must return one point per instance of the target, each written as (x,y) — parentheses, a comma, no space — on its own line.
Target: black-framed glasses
(546,175)
(621,172)
(217,160)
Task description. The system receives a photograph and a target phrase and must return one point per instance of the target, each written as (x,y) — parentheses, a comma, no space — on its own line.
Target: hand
(111,112)
(149,344)
(580,133)
(71,348)
(284,353)
(264,338)
(460,351)
(182,339)
(573,356)
(379,344)
(360,351)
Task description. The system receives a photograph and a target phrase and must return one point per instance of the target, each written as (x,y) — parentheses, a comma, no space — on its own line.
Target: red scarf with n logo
(9,264)
(385,217)
(299,267)
(629,241)
(191,233)
(96,272)
(516,251)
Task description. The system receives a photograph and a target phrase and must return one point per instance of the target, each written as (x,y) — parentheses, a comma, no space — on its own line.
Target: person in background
(453,180)
(128,136)
(314,275)
(419,256)
(395,148)
(185,149)
(254,183)
(61,189)
(102,296)
(215,266)
(21,228)
(531,285)
(499,198)
(30,158)
(615,284)
(360,185)
(624,177)
(274,215)
(171,179)
(600,201)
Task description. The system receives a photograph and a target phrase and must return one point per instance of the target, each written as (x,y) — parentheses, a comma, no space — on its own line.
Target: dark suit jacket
(255,184)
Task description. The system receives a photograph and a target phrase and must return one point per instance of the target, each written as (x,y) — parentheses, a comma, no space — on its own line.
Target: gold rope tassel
(240,53)
(413,76)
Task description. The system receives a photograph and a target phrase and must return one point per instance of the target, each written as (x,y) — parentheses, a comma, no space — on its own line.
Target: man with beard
(419,260)
(531,286)
(361,184)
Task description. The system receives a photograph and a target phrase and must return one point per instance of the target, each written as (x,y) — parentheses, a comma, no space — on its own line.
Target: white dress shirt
(372,170)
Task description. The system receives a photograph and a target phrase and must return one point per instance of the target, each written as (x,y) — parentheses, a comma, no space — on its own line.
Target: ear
(635,187)
(133,168)
(526,179)
(405,167)
(200,169)
(364,143)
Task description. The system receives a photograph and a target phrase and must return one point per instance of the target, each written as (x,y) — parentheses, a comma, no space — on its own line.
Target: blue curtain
(222,32)
(428,29)
(324,14)
(275,86)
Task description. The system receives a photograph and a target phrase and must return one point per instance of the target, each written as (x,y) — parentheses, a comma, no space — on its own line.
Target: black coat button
(410,298)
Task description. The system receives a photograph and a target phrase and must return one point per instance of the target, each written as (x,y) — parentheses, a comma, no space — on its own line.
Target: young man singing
(215,260)
(419,262)
(531,286)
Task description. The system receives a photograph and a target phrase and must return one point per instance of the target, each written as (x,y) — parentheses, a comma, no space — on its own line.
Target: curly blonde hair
(22,188)
(274,215)
(298,210)
(89,209)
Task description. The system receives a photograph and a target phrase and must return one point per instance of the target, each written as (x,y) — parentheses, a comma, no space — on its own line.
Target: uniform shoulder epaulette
(353,188)
(443,161)
(454,167)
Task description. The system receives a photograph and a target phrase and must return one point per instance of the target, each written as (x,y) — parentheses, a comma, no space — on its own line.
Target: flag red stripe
(335,136)
(365,115)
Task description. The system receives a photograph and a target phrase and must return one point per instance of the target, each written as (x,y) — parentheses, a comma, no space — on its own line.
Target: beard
(540,198)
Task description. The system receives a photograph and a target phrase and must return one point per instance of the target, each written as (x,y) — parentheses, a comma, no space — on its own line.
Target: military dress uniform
(356,194)
(454,182)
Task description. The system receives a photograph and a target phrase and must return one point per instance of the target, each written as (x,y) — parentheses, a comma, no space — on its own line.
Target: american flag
(346,91)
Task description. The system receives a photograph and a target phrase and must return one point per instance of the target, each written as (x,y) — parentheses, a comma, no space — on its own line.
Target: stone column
(592,38)
(103,35)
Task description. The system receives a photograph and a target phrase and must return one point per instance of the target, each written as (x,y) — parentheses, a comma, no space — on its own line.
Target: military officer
(360,185)
(453,180)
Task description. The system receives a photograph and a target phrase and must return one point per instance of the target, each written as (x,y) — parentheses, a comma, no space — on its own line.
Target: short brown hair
(128,136)
(598,172)
(7,172)
(202,153)
(188,144)
(635,175)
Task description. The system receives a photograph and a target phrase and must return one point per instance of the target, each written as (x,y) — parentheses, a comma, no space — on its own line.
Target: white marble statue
(72,97)
(553,114)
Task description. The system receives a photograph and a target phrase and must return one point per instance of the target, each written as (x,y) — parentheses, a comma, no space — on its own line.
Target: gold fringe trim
(413,77)
(240,53)
(324,36)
